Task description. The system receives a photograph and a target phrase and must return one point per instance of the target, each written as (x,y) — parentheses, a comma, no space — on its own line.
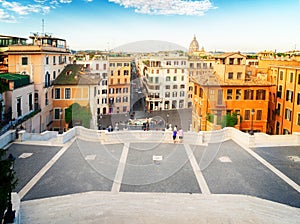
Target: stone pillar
(297,136)
(251,141)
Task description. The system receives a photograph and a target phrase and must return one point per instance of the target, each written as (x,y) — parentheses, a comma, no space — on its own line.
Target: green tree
(78,114)
(229,120)
(8,182)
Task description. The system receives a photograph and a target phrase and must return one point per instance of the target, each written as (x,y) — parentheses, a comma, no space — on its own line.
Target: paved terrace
(143,177)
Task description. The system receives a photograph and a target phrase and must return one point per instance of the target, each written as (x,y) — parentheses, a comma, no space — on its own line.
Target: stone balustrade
(195,138)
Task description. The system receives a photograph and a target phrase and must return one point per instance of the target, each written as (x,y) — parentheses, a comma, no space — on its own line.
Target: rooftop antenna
(43,27)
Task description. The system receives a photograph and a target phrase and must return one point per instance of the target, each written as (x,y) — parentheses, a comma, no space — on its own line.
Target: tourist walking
(180,134)
(174,135)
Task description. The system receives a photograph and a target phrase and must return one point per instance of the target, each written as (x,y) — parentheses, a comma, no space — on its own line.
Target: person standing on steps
(174,135)
(180,134)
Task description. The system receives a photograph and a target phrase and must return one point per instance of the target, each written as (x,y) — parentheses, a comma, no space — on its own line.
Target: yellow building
(119,77)
(73,85)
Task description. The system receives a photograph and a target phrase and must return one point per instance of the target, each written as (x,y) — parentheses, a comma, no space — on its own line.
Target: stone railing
(6,138)
(44,136)
(200,138)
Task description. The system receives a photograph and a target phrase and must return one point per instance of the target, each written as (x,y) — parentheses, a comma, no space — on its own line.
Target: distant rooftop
(74,74)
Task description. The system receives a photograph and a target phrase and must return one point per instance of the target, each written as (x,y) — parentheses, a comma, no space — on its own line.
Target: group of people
(177,132)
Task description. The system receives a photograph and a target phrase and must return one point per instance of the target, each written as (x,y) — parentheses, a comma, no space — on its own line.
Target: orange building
(286,99)
(216,98)
(230,90)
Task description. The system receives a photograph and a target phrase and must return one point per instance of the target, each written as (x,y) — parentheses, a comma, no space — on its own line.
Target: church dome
(194,46)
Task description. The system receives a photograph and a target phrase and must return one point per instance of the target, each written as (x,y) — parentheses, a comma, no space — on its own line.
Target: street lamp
(252,117)
(167,119)
(99,121)
(60,125)
(9,216)
(200,122)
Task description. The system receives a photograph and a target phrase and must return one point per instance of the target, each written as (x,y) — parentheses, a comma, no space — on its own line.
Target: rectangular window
(298,120)
(118,99)
(125,99)
(167,94)
(57,93)
(238,94)
(24,60)
(239,75)
(247,115)
(289,95)
(181,93)
(167,86)
(54,60)
(30,101)
(279,91)
(288,114)
(260,94)
(47,60)
(229,94)
(174,78)
(67,93)
(175,86)
(278,109)
(104,101)
(57,113)
(291,77)
(230,75)
(220,97)
(156,80)
(46,99)
(248,94)
(281,75)
(298,99)
(298,79)
(168,78)
(211,94)
(258,115)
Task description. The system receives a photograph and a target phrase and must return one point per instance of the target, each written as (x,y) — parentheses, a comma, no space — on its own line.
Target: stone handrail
(195,138)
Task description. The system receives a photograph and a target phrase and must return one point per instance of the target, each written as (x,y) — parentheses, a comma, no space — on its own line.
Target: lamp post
(60,125)
(99,121)
(200,122)
(9,216)
(252,117)
(167,119)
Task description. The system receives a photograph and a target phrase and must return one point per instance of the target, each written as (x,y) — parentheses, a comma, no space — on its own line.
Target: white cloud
(65,1)
(5,17)
(20,9)
(167,7)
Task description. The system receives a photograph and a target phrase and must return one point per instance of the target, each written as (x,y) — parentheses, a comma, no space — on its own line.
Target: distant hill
(148,46)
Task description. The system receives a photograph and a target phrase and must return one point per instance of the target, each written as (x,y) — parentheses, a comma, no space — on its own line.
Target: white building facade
(166,81)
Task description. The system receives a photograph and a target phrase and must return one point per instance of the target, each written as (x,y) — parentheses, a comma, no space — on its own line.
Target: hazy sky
(227,25)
